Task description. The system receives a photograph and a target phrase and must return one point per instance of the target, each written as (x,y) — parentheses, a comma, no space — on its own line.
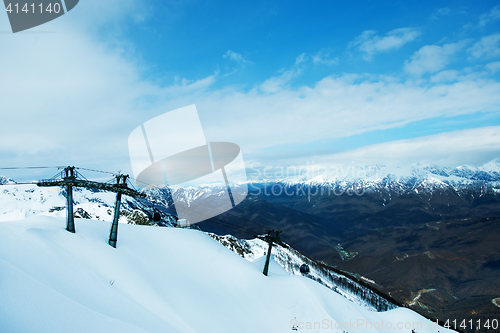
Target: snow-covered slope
(161,280)
(20,201)
(291,260)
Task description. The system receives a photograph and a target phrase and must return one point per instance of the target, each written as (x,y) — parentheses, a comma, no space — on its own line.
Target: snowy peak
(351,180)
(6,181)
(313,174)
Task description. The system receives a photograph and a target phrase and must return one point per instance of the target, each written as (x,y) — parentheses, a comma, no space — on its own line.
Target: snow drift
(162,280)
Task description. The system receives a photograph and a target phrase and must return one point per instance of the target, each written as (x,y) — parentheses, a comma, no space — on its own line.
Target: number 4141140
(56,8)
(487,324)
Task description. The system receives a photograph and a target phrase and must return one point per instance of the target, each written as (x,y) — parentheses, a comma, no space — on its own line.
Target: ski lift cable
(216,221)
(227,212)
(59,174)
(227,224)
(15,183)
(94,170)
(78,174)
(32,167)
(213,218)
(233,226)
(248,232)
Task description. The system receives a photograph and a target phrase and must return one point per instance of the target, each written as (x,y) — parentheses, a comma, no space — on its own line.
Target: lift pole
(70,217)
(272,236)
(121,181)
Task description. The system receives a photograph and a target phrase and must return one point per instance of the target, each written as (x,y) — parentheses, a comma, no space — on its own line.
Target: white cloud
(432,58)
(488,46)
(445,76)
(71,99)
(68,98)
(278,83)
(77,102)
(492,16)
(445,11)
(493,66)
(300,59)
(323,57)
(472,146)
(370,43)
(236,57)
(336,107)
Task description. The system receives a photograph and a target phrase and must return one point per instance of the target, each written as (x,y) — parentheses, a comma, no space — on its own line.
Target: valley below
(434,250)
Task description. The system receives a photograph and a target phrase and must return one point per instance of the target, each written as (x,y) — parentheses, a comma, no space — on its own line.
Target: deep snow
(161,280)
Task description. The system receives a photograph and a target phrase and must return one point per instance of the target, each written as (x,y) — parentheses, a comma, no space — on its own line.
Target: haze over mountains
(423,231)
(164,279)
(425,235)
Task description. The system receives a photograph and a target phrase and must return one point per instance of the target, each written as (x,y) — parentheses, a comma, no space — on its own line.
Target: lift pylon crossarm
(91,184)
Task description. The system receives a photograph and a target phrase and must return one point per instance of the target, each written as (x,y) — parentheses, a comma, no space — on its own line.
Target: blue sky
(288,81)
(189,40)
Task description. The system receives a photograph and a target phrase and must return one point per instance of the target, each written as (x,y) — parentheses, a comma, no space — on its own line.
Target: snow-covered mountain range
(24,201)
(317,173)
(355,180)
(33,215)
(366,198)
(417,178)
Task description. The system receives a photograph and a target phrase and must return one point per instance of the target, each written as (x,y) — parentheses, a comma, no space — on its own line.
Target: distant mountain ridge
(355,180)
(489,172)
(402,220)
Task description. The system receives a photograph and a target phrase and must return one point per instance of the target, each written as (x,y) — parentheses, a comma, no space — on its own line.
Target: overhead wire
(227,212)
(32,167)
(94,170)
(214,219)
(60,174)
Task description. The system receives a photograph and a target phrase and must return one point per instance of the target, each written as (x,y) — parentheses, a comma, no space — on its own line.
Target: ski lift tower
(70,178)
(271,237)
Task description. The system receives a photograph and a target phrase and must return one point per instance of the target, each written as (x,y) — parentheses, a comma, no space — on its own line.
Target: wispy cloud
(325,58)
(493,66)
(109,99)
(301,58)
(79,98)
(279,83)
(432,58)
(338,107)
(492,16)
(445,76)
(235,57)
(488,46)
(471,146)
(370,43)
(445,11)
